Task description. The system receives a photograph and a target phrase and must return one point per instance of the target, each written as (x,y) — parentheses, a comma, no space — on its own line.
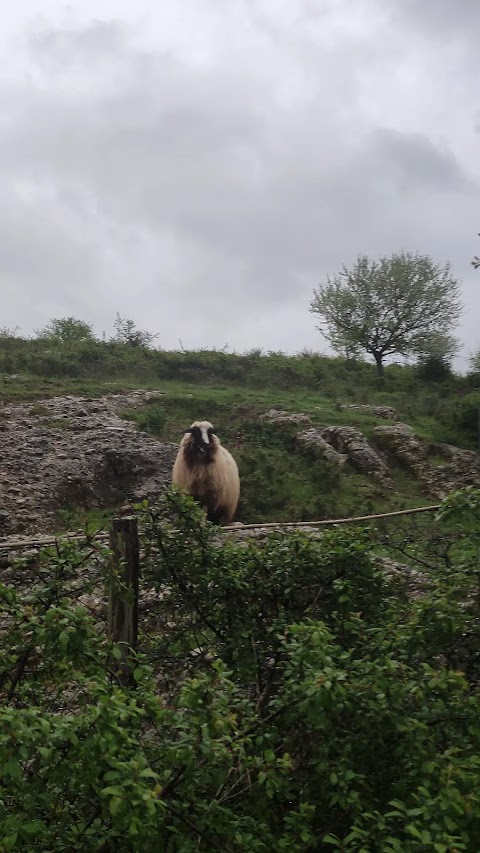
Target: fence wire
(40,575)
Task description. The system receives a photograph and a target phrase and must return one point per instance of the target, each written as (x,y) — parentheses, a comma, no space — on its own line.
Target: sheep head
(200,443)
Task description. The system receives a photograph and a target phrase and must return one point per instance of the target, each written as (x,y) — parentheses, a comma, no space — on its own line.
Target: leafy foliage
(475,363)
(463,420)
(394,305)
(434,362)
(127,333)
(67,331)
(289,695)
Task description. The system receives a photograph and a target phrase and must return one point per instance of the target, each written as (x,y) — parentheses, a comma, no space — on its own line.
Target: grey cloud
(99,42)
(207,201)
(445,18)
(413,162)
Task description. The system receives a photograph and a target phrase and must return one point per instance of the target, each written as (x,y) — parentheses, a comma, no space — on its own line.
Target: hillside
(292,691)
(314,437)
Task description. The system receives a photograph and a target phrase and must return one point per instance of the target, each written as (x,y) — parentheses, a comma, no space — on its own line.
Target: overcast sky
(200,166)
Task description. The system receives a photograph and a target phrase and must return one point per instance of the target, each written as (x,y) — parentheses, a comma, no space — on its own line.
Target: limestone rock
(280,417)
(350,441)
(74,451)
(400,440)
(439,467)
(313,438)
(386,412)
(460,468)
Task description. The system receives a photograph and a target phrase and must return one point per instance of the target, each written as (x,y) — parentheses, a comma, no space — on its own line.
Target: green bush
(90,357)
(462,424)
(434,368)
(288,696)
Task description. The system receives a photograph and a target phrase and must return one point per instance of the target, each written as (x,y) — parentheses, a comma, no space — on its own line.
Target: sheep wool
(208,472)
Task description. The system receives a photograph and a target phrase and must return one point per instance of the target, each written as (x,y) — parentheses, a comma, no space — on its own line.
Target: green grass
(280,480)
(79,518)
(31,387)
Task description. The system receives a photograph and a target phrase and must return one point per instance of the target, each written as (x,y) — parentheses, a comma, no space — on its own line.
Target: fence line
(115,595)
(6,546)
(324,522)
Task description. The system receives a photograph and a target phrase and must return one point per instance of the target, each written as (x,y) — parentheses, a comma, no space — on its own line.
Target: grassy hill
(280,480)
(289,692)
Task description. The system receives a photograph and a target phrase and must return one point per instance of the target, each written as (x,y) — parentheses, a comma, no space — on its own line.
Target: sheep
(208,472)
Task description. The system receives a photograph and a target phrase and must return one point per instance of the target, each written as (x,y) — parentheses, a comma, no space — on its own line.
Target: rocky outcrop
(400,440)
(350,441)
(278,416)
(460,468)
(75,451)
(386,412)
(439,467)
(312,438)
(336,443)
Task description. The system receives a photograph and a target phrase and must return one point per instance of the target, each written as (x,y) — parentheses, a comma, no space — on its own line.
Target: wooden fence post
(123,593)
(478,423)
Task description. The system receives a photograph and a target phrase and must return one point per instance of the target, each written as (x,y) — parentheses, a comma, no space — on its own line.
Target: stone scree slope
(75,451)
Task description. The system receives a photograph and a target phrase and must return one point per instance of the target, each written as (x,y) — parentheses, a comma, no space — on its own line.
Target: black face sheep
(208,472)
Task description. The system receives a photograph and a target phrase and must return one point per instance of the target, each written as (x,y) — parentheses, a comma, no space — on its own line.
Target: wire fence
(11,545)
(111,573)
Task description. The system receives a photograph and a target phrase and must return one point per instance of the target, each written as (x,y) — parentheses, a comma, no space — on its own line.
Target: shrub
(462,422)
(288,695)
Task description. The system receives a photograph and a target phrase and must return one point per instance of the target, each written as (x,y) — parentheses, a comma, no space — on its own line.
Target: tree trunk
(378,356)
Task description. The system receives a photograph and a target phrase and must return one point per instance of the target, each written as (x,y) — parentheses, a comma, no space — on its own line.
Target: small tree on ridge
(391,306)
(127,333)
(67,330)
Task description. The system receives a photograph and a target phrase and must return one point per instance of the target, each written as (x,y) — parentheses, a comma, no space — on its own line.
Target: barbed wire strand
(6,546)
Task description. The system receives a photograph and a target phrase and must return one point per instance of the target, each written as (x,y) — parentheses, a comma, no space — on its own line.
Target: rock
(280,417)
(461,467)
(89,458)
(313,437)
(386,412)
(351,442)
(400,440)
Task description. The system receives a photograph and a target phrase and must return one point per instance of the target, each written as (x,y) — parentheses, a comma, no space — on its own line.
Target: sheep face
(201,443)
